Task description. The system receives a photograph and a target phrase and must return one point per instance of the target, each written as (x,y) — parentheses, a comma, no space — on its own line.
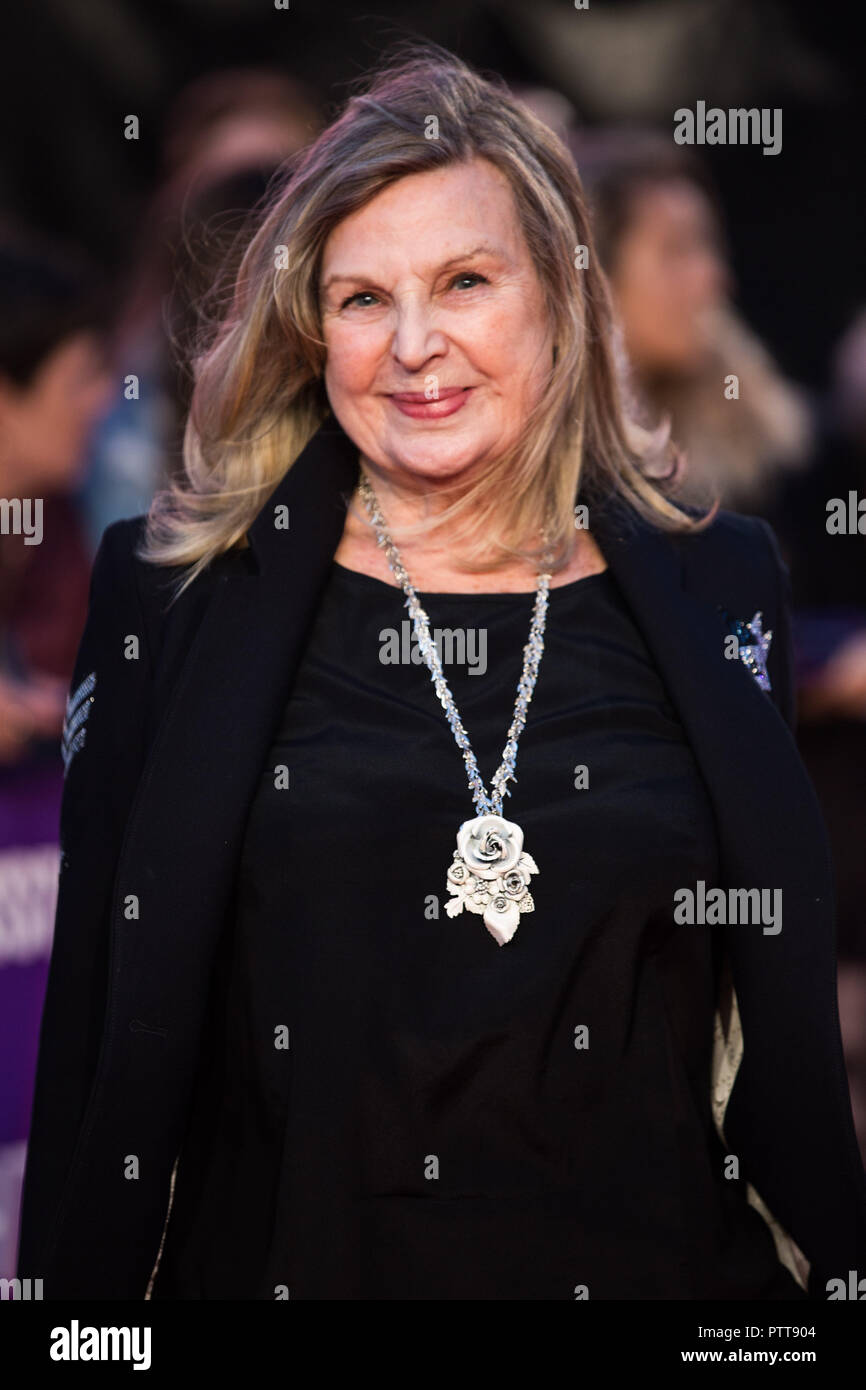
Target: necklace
(490,872)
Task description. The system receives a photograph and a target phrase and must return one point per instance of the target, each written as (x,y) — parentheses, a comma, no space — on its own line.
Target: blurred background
(139,139)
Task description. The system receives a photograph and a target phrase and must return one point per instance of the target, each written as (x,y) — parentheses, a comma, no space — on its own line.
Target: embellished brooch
(490,874)
(78,707)
(753,645)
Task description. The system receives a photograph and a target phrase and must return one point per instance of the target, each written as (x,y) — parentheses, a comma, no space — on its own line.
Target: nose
(416,337)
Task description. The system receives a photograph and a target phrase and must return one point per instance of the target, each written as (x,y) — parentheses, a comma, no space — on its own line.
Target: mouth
(421,406)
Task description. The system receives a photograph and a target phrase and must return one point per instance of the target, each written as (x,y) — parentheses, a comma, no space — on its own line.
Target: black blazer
(152,823)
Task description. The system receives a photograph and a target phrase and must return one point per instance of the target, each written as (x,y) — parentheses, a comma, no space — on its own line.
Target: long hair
(259,391)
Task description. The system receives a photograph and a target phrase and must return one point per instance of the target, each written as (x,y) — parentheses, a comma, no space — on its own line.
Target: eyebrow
(482,250)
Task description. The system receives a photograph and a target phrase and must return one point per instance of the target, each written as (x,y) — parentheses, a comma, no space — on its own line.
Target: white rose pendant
(490,874)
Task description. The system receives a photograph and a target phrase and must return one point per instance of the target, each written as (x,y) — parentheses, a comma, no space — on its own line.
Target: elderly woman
(341,1005)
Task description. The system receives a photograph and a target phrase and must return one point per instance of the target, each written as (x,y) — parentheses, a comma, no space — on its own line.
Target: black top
(392,1105)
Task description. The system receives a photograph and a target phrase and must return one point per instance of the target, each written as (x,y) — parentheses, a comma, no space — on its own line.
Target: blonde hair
(259,391)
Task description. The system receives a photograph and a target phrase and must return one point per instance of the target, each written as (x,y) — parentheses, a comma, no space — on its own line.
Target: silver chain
(484,804)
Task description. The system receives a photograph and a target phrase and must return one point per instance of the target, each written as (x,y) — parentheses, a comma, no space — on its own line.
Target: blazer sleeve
(780,662)
(104,744)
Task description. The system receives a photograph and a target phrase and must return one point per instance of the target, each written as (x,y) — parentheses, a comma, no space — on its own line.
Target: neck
(405,501)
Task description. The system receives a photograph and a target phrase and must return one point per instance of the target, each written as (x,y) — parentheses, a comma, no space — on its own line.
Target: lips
(419,406)
(420,397)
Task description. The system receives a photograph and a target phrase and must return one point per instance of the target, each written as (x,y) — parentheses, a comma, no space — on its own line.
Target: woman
(328,1016)
(659,234)
(225,136)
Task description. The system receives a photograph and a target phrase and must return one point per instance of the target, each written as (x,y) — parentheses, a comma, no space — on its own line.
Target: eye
(354,298)
(470,275)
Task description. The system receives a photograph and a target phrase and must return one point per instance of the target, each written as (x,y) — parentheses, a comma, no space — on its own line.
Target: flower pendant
(490,875)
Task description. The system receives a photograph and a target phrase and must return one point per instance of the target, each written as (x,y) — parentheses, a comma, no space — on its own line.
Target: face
(44,427)
(668,277)
(435,325)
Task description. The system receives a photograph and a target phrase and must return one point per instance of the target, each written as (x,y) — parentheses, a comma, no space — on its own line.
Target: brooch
(490,874)
(78,708)
(753,645)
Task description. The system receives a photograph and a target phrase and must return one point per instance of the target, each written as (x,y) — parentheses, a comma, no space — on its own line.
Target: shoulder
(150,593)
(136,638)
(730,555)
(733,544)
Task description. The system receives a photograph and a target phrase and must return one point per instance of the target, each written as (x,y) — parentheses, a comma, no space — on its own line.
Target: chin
(438,452)
(440,460)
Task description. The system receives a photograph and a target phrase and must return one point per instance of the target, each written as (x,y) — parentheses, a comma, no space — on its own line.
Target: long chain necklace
(490,871)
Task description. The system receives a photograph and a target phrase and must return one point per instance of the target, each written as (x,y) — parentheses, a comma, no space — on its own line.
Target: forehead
(674,200)
(449,209)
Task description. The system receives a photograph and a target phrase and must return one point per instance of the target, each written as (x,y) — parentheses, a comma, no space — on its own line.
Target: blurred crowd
(94,383)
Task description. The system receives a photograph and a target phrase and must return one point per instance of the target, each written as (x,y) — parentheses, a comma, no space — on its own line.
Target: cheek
(45,424)
(508,340)
(62,413)
(653,289)
(354,356)
(704,283)
(97,397)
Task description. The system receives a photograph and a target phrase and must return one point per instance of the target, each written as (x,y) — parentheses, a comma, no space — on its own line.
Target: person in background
(225,136)
(660,236)
(53,385)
